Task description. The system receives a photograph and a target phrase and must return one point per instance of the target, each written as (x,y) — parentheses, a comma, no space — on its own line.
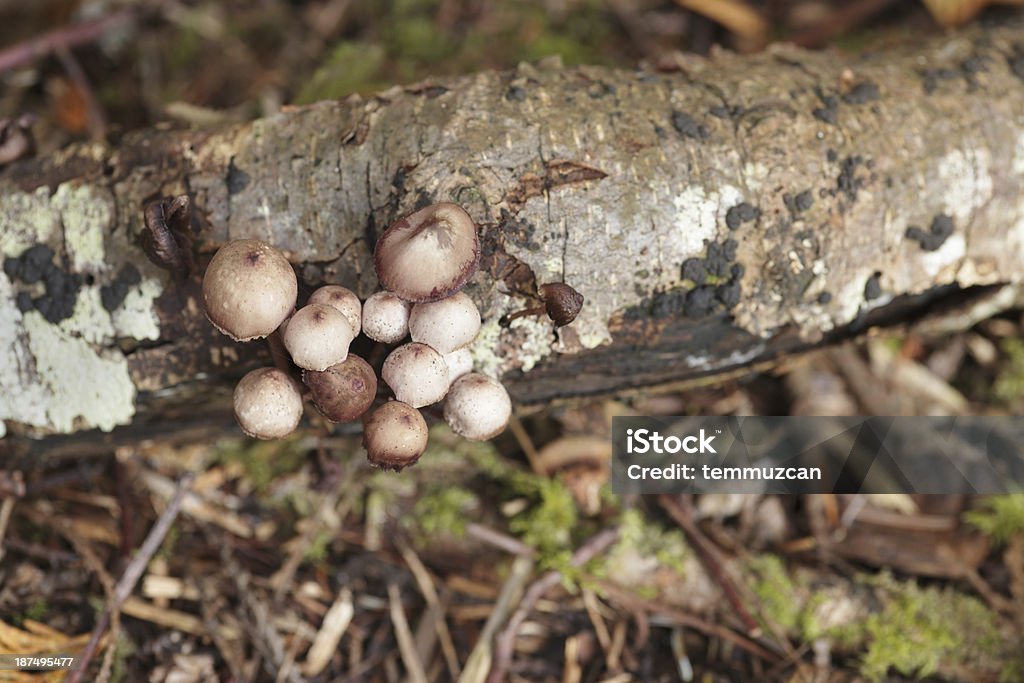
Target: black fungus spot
(687,126)
(728,294)
(700,302)
(804,200)
(515,93)
(931,78)
(112,295)
(831,155)
(24,301)
(693,270)
(238,179)
(729,249)
(12,267)
(739,214)
(847,182)
(738,271)
(861,93)
(599,90)
(975,64)
(826,114)
(873,287)
(936,236)
(824,298)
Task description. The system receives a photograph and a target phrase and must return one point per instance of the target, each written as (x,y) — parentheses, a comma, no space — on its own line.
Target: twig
(132,573)
(66,36)
(710,559)
(505,642)
(499,540)
(406,647)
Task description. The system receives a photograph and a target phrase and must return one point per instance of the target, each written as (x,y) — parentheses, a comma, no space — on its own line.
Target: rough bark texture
(848,185)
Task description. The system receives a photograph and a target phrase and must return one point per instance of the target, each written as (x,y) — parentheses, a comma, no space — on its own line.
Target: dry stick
(505,642)
(710,559)
(67,36)
(499,540)
(406,646)
(132,573)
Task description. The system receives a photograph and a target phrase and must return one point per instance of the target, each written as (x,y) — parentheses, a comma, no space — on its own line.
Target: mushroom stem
(279,354)
(533,310)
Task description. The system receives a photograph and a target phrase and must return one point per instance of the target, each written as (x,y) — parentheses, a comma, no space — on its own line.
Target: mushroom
(445,325)
(317,337)
(249,288)
(459,362)
(268,404)
(344,391)
(417,374)
(343,299)
(478,407)
(386,318)
(429,254)
(561,302)
(394,435)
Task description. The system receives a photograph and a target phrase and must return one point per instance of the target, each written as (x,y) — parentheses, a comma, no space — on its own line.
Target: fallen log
(716,216)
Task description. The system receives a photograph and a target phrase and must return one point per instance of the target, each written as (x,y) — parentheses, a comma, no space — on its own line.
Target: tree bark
(856,190)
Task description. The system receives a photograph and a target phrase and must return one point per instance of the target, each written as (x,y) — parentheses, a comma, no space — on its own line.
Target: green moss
(921,629)
(318,548)
(1009,385)
(262,461)
(777,593)
(443,511)
(999,516)
(547,524)
(37,610)
(351,67)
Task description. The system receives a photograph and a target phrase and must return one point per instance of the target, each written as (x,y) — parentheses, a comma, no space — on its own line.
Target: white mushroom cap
(417,374)
(317,337)
(447,324)
(268,404)
(459,362)
(386,318)
(429,254)
(342,298)
(477,407)
(394,435)
(249,288)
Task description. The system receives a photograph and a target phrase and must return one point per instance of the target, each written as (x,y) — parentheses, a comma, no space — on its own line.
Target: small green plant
(999,516)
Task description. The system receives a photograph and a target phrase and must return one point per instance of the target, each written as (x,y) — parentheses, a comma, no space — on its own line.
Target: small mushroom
(249,288)
(429,254)
(344,391)
(477,407)
(459,362)
(386,318)
(343,299)
(268,404)
(317,337)
(445,325)
(394,435)
(417,374)
(562,303)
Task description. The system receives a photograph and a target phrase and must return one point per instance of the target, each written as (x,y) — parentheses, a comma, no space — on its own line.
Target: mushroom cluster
(422,261)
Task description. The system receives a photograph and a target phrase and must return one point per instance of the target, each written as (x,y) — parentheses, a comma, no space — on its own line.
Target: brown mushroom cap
(344,391)
(417,374)
(429,254)
(268,404)
(445,325)
(477,407)
(343,299)
(394,435)
(317,337)
(562,302)
(249,288)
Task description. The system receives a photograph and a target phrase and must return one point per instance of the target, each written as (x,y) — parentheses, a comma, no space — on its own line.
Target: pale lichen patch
(86,214)
(136,317)
(21,399)
(81,387)
(967,183)
(531,338)
(28,219)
